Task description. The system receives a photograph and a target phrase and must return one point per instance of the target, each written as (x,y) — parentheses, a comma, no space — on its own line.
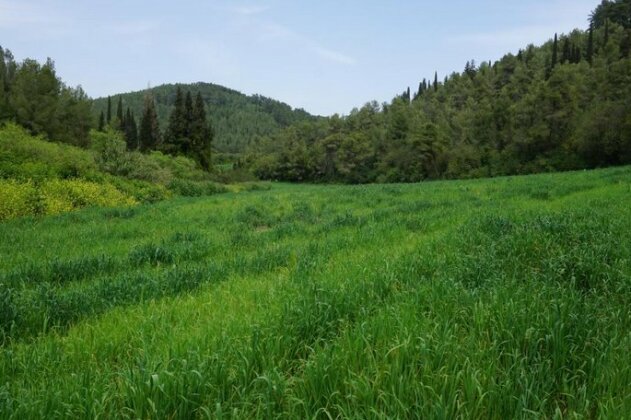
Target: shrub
(195,189)
(17,199)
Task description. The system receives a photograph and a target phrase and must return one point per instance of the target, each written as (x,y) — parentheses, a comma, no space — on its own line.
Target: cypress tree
(102,122)
(130,131)
(149,126)
(606,32)
(435,81)
(185,143)
(555,52)
(119,114)
(565,57)
(201,134)
(176,131)
(109,109)
(590,45)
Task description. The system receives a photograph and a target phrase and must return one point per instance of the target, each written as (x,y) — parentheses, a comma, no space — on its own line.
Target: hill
(237,119)
(483,299)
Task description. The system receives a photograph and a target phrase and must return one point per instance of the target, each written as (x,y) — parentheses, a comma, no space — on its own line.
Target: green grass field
(503,298)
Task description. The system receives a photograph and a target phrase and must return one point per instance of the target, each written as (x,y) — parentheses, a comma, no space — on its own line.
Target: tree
(149,136)
(201,134)
(109,110)
(555,52)
(435,81)
(177,129)
(566,54)
(131,131)
(101,122)
(35,95)
(120,123)
(590,45)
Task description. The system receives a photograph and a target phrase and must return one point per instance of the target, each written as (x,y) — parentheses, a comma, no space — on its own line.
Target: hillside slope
(236,118)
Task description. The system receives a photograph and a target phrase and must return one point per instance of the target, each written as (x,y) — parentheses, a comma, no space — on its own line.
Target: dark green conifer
(149,136)
(109,109)
(119,114)
(201,134)
(102,122)
(590,45)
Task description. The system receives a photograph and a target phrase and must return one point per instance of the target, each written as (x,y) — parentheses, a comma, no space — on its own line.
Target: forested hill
(559,106)
(236,118)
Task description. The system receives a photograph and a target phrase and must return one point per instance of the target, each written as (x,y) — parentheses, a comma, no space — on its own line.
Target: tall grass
(504,298)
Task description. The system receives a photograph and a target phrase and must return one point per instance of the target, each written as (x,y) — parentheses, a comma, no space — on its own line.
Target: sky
(324,56)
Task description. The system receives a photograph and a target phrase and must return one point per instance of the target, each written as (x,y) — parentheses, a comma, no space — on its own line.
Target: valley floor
(501,298)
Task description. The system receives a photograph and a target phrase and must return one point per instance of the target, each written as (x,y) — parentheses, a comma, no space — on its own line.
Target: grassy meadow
(501,298)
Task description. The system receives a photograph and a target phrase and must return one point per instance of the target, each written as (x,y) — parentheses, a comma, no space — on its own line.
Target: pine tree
(149,128)
(109,109)
(102,122)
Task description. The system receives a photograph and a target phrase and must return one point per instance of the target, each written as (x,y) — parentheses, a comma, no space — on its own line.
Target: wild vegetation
(39,177)
(503,298)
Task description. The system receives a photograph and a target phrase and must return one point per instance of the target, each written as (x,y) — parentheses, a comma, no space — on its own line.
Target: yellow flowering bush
(17,199)
(65,195)
(57,196)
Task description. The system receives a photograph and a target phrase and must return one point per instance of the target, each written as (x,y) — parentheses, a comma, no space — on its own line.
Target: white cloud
(250,10)
(335,56)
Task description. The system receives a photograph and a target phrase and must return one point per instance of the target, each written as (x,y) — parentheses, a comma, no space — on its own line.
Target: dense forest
(236,119)
(564,105)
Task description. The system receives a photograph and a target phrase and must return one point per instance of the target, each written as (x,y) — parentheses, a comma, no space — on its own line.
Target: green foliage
(32,95)
(25,157)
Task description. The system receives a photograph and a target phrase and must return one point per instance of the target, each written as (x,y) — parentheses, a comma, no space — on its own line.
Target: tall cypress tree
(149,135)
(201,134)
(185,142)
(176,131)
(102,122)
(555,52)
(131,131)
(109,109)
(435,81)
(566,54)
(606,40)
(590,44)
(119,114)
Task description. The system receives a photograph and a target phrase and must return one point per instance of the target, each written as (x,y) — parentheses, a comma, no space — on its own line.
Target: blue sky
(324,56)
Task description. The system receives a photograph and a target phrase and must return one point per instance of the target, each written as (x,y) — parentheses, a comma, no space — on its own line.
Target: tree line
(32,95)
(188,133)
(561,106)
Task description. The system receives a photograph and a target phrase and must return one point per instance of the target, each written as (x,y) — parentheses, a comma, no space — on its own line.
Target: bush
(57,196)
(195,189)
(17,199)
(24,157)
